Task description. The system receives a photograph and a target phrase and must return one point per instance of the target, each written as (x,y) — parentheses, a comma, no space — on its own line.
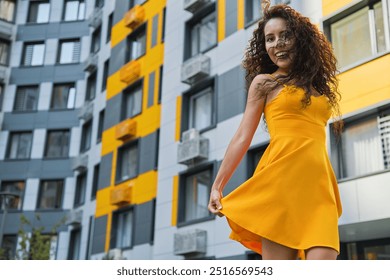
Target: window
(74,10)
(99,3)
(91,87)
(86,136)
(7,10)
(364,146)
(109,27)
(252,11)
(364,28)
(122,229)
(200,108)
(81,187)
(127,162)
(57,144)
(63,96)
(95,182)
(74,244)
(277,2)
(4,52)
(105,74)
(132,103)
(136,43)
(50,194)
(9,247)
(26,98)
(1,96)
(33,54)
(160,84)
(95,43)
(39,12)
(69,51)
(19,146)
(194,195)
(100,127)
(254,157)
(16,187)
(203,34)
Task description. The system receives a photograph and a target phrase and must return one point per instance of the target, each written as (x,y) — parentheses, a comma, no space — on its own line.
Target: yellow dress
(292,197)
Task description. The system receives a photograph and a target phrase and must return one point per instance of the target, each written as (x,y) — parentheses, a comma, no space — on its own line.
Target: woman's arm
(240,142)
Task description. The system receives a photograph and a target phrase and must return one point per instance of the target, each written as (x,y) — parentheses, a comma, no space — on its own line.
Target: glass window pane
(50,195)
(38,54)
(66,55)
(195,40)
(202,110)
(208,33)
(43,13)
(71,10)
(361,149)
(81,13)
(7,9)
(4,52)
(137,96)
(348,33)
(71,98)
(379,27)
(16,188)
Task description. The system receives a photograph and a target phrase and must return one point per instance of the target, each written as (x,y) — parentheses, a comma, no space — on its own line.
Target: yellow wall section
(221,12)
(178,118)
(175,199)
(365,85)
(331,6)
(240,14)
(120,31)
(144,189)
(108,233)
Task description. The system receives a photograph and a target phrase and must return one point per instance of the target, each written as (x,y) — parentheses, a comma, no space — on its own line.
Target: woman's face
(279,43)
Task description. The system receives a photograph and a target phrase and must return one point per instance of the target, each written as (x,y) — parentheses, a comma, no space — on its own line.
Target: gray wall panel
(62,30)
(105,171)
(40,119)
(118,57)
(47,73)
(152,79)
(121,7)
(154,30)
(99,235)
(148,150)
(231,94)
(113,110)
(231,17)
(144,223)
(48,220)
(35,168)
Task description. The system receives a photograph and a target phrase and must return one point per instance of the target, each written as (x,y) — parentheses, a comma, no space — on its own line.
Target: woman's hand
(215,202)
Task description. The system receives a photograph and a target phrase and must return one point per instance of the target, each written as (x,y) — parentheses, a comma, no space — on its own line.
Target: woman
(291,205)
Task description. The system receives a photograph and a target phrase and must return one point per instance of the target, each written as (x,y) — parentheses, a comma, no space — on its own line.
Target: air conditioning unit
(121,194)
(194,5)
(134,17)
(75,217)
(80,163)
(90,65)
(192,148)
(95,20)
(115,254)
(130,72)
(86,112)
(126,130)
(195,69)
(190,242)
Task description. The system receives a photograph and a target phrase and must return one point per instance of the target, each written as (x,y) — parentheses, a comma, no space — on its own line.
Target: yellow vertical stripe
(178,118)
(175,199)
(221,19)
(240,14)
(108,232)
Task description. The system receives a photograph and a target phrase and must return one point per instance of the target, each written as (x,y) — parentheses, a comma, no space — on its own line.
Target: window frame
(91,83)
(25,46)
(109,27)
(60,49)
(105,75)
(9,144)
(119,178)
(6,253)
(96,39)
(207,11)
(81,189)
(29,15)
(353,9)
(70,86)
(78,11)
(95,181)
(100,129)
(13,12)
(2,87)
(46,157)
(208,166)
(86,132)
(129,92)
(8,51)
(21,194)
(252,155)
(131,38)
(115,227)
(40,192)
(253,19)
(36,95)
(74,233)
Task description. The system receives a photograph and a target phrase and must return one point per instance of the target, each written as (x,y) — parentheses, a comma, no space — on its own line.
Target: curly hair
(314,65)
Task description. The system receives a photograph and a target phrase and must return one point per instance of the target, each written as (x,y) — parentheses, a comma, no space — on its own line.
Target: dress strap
(276,79)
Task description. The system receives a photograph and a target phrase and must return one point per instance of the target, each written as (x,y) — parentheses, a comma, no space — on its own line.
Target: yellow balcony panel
(130,72)
(126,130)
(331,6)
(134,17)
(121,194)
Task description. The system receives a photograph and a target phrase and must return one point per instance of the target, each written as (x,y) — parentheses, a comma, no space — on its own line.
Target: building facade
(115,117)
